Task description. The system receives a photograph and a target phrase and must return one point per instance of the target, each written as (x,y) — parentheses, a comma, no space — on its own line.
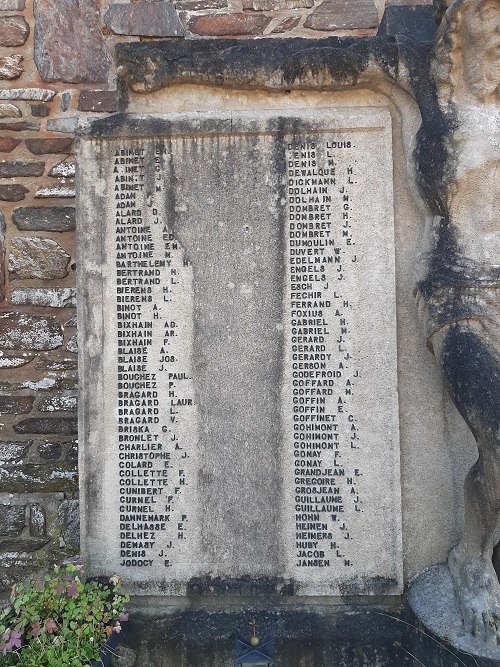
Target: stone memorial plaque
(239,410)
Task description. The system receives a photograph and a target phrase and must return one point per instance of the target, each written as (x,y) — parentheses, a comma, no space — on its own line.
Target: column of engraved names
(319,242)
(174,364)
(143,457)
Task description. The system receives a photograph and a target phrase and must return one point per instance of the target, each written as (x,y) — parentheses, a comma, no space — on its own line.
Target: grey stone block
(12,519)
(19,331)
(44,297)
(45,218)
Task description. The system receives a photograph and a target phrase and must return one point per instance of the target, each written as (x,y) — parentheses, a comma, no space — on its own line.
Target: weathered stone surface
(414,20)
(10,111)
(16,405)
(411,3)
(337,15)
(31,478)
(21,126)
(197,5)
(12,360)
(275,5)
(62,382)
(44,297)
(40,110)
(287,24)
(149,19)
(67,382)
(21,546)
(46,425)
(58,402)
(45,218)
(48,364)
(67,125)
(98,100)
(13,452)
(457,277)
(237,321)
(12,5)
(37,521)
(14,31)
(72,322)
(16,192)
(65,100)
(13,566)
(55,192)
(28,94)
(50,451)
(12,192)
(19,331)
(72,454)
(72,345)
(12,519)
(7,144)
(435,603)
(63,170)
(2,256)
(44,146)
(123,657)
(228,24)
(69,45)
(36,257)
(10,66)
(13,169)
(70,520)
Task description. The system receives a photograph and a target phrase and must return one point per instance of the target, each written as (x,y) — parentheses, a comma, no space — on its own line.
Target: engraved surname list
(339,297)
(154,397)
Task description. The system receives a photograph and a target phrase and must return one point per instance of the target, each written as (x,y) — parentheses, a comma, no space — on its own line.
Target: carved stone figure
(459,294)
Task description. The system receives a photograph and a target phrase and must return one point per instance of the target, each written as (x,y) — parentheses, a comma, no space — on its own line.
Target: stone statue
(459,291)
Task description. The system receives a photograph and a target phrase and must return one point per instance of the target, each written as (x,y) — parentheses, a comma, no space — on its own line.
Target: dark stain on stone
(472,374)
(238,586)
(271,65)
(207,638)
(367,586)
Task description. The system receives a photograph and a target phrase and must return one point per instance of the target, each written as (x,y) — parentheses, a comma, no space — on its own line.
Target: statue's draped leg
(470,367)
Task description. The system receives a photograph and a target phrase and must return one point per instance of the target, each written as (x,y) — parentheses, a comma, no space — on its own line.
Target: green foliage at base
(58,619)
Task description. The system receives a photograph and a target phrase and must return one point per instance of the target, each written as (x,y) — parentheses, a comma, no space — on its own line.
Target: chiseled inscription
(330,376)
(154,398)
(324,370)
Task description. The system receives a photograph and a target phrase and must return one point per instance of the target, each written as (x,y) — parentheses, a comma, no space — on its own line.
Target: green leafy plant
(58,619)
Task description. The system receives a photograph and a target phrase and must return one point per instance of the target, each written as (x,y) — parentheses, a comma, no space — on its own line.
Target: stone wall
(56,66)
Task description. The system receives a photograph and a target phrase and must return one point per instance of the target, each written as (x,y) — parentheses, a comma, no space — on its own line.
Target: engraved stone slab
(238,344)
